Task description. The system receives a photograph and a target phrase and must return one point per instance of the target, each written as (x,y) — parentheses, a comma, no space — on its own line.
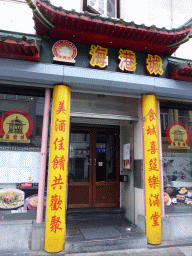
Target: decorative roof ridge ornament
(180,71)
(39,15)
(18,39)
(182,41)
(29,48)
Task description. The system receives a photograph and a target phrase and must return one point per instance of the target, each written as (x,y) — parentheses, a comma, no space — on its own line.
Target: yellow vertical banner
(152,170)
(57,177)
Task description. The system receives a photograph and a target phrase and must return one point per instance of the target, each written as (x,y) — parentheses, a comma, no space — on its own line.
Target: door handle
(90,161)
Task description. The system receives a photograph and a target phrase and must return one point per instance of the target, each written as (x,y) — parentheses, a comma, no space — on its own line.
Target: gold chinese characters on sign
(65,51)
(99,58)
(127,61)
(154,65)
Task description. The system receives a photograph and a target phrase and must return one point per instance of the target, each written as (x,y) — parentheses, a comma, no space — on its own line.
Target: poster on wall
(178,136)
(126,156)
(11,198)
(178,196)
(16,126)
(14,200)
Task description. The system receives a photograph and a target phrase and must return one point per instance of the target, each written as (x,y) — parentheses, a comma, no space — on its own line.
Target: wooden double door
(93,168)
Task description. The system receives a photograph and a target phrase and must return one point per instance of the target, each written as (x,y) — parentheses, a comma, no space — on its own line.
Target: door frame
(93,185)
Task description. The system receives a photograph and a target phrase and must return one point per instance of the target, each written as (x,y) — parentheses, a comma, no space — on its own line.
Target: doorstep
(104,233)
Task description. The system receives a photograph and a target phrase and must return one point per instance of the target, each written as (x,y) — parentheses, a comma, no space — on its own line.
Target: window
(107,8)
(21,119)
(164,121)
(176,128)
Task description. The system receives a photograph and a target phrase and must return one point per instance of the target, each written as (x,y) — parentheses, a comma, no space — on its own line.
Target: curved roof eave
(111,32)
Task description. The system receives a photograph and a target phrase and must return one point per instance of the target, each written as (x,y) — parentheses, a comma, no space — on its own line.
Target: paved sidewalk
(171,251)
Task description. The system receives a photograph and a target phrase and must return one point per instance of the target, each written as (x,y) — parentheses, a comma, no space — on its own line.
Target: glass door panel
(79,185)
(79,157)
(93,167)
(105,157)
(106,186)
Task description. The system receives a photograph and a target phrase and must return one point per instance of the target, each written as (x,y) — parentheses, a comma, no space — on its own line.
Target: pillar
(43,159)
(152,169)
(55,227)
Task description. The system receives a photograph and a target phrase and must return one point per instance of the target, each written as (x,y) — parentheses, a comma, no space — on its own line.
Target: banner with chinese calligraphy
(152,170)
(57,178)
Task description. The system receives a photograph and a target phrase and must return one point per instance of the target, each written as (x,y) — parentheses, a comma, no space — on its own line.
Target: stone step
(96,230)
(94,213)
(106,245)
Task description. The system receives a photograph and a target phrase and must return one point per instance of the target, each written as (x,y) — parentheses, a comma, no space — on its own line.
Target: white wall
(138,155)
(127,199)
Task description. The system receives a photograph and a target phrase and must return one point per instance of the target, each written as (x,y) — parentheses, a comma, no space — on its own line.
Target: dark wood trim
(92,167)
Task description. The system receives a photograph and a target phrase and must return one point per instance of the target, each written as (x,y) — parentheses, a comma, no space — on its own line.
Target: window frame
(86,6)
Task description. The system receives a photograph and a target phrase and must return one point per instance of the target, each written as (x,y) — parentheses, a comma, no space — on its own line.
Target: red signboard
(26,184)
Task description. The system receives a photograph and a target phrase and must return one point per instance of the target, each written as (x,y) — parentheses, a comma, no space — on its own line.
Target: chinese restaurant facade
(94,113)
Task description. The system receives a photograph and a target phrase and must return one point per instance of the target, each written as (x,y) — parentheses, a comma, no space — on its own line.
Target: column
(43,159)
(57,178)
(152,169)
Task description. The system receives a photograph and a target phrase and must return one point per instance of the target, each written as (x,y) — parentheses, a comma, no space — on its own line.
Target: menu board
(17,167)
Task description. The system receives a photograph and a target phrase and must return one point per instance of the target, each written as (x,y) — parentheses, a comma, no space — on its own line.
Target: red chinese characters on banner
(55,224)
(57,182)
(58,164)
(127,61)
(58,161)
(155,217)
(154,65)
(56,202)
(154,181)
(153,148)
(153,165)
(60,125)
(154,200)
(151,130)
(61,108)
(151,115)
(59,144)
(99,57)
